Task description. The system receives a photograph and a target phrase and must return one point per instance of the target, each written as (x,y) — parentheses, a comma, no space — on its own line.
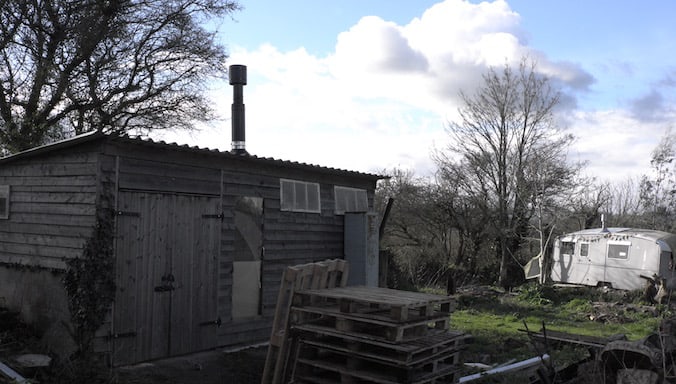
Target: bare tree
(624,204)
(465,199)
(555,186)
(505,128)
(658,193)
(71,66)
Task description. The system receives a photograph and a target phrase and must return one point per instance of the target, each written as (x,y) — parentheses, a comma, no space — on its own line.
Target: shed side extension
(193,227)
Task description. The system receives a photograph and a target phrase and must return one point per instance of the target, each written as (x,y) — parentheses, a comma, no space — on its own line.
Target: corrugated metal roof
(95,135)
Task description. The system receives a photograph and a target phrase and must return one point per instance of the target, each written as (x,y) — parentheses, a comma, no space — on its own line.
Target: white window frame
(301,196)
(349,199)
(621,244)
(4,195)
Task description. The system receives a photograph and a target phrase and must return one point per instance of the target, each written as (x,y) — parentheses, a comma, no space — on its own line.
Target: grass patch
(496,319)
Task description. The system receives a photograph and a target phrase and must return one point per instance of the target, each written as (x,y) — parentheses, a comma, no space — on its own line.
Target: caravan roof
(646,234)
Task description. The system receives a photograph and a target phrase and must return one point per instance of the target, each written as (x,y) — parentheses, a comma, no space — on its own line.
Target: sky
(371,85)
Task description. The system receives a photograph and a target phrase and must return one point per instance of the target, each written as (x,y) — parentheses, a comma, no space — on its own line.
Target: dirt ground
(219,366)
(212,367)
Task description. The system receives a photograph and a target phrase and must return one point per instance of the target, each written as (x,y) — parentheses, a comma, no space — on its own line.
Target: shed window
(618,251)
(299,196)
(4,201)
(350,200)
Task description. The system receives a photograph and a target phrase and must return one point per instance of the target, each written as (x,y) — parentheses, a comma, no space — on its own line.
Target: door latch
(167,283)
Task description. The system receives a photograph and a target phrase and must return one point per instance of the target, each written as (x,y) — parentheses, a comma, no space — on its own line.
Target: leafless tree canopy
(505,188)
(72,66)
(511,152)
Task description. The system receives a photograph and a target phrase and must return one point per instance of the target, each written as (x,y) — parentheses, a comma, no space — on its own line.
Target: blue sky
(370,85)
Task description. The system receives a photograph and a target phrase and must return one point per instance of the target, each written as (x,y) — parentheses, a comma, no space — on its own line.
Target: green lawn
(495,320)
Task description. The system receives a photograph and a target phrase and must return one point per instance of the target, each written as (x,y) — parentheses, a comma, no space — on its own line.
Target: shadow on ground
(211,367)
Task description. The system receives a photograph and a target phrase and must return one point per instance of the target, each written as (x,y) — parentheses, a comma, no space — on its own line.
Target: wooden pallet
(358,352)
(336,368)
(312,276)
(403,354)
(399,304)
(372,325)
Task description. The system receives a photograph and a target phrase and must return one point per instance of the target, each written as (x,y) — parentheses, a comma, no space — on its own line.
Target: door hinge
(127,213)
(216,322)
(121,335)
(213,216)
(167,283)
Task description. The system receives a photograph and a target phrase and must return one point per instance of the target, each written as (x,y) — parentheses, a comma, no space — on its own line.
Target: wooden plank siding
(52,205)
(53,200)
(290,238)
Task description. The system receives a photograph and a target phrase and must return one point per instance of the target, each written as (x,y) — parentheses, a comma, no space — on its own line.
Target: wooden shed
(201,237)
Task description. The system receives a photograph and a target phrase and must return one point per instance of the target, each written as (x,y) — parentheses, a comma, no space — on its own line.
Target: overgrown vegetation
(497,320)
(90,285)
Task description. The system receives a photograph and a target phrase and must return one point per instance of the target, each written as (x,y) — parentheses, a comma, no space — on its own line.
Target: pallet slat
(407,353)
(321,275)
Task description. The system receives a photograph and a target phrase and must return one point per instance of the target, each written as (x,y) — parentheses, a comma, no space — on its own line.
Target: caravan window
(618,251)
(584,249)
(567,248)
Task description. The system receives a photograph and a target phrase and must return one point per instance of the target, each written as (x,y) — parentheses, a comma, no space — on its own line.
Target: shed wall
(289,238)
(51,210)
(53,201)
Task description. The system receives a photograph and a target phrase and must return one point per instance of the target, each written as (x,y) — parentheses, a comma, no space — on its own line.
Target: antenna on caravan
(603,223)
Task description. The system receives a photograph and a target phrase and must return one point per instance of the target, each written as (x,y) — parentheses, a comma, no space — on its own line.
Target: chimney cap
(237,74)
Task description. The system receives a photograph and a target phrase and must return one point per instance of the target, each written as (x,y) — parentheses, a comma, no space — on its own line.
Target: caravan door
(582,271)
(594,254)
(588,264)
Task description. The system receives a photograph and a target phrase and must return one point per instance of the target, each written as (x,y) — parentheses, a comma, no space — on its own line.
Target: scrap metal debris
(649,360)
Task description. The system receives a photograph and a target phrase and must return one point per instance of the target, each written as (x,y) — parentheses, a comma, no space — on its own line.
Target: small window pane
(299,196)
(350,200)
(362,203)
(287,196)
(567,248)
(313,198)
(618,251)
(584,249)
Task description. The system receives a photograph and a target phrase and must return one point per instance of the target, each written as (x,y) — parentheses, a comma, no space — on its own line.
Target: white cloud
(616,145)
(383,97)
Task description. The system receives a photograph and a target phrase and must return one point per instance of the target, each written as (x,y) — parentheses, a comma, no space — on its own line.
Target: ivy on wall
(90,280)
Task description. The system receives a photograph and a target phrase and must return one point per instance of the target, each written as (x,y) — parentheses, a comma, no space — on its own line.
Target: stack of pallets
(348,335)
(320,275)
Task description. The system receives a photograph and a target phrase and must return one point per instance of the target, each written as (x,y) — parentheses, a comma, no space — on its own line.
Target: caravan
(615,257)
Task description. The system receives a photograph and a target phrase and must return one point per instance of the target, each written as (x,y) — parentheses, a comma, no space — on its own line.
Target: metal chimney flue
(237,74)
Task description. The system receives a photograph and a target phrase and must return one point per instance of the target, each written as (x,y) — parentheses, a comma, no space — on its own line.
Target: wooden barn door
(167,247)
